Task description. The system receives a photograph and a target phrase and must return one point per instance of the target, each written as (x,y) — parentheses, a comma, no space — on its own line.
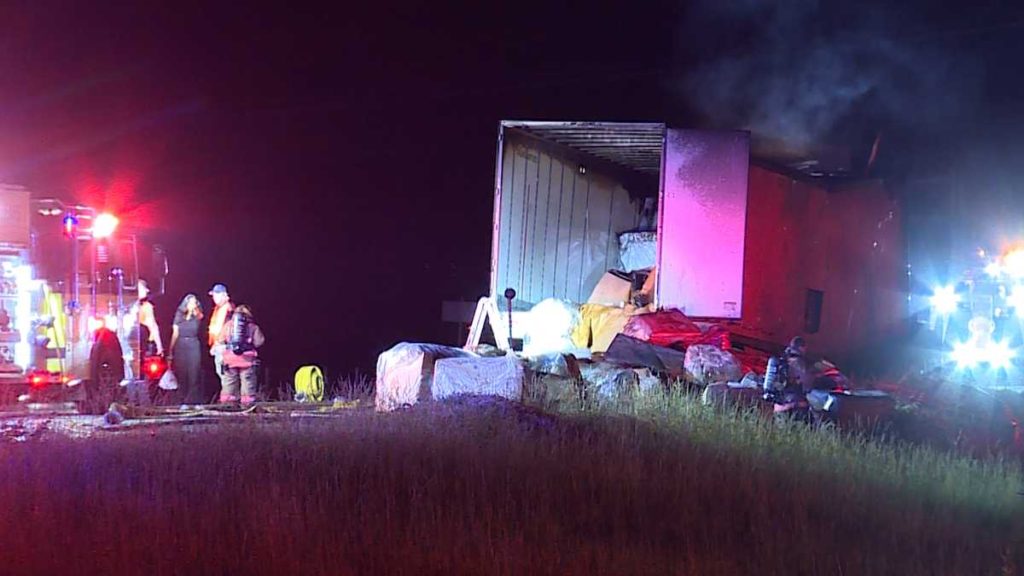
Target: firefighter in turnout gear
(222,308)
(801,370)
(240,361)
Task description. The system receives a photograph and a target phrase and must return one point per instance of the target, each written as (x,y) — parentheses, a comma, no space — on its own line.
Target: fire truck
(68,290)
(980,315)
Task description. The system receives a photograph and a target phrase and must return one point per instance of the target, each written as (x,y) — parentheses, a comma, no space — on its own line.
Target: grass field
(479,486)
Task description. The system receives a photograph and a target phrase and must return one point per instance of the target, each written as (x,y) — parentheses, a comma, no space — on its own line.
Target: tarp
(672,328)
(632,352)
(404,373)
(502,376)
(662,328)
(598,326)
(751,359)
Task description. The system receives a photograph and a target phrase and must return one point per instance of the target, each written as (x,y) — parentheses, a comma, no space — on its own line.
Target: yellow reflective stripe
(53,305)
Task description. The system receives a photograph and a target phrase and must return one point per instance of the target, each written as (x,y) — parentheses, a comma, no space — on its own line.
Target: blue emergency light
(70,225)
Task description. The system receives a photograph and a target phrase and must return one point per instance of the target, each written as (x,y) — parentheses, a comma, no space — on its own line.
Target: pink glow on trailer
(702,222)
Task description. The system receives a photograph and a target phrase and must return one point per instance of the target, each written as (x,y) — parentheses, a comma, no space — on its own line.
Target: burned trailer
(768,251)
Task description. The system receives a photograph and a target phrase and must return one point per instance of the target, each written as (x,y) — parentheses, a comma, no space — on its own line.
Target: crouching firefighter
(239,361)
(787,380)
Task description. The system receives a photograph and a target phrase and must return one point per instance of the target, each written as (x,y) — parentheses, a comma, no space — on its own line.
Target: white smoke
(803,69)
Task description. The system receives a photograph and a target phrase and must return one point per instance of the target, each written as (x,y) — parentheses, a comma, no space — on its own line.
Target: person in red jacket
(241,337)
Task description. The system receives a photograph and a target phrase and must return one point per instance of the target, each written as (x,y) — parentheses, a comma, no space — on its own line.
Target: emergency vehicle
(68,293)
(979,316)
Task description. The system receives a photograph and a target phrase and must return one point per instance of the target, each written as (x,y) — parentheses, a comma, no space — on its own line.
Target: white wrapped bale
(707,364)
(732,394)
(638,250)
(404,373)
(502,377)
(608,381)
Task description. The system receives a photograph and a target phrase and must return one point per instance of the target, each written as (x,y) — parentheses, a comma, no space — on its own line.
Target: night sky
(334,166)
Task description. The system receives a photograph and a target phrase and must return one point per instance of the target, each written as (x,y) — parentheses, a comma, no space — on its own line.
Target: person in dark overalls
(186,355)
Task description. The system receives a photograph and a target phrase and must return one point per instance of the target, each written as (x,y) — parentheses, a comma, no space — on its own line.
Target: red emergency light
(155,367)
(39,378)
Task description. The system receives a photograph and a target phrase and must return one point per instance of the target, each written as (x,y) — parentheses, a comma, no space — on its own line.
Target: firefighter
(801,371)
(241,336)
(148,328)
(222,308)
(788,379)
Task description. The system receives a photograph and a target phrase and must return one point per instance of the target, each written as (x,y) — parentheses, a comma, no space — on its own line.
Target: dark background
(334,166)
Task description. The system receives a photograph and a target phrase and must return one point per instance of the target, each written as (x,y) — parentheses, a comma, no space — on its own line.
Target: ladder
(487,311)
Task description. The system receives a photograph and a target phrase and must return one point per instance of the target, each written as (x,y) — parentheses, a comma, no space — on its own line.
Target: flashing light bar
(945,300)
(103,225)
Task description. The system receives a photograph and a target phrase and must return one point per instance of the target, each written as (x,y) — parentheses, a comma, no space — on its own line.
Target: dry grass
(476,486)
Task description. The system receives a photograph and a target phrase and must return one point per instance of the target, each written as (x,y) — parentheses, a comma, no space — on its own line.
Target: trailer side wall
(557,224)
(827,265)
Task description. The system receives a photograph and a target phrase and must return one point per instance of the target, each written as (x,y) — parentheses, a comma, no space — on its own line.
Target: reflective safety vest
(217,319)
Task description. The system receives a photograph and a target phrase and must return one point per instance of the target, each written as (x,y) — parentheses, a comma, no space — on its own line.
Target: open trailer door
(702,222)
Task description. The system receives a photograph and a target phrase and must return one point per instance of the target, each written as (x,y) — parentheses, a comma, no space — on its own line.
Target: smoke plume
(798,73)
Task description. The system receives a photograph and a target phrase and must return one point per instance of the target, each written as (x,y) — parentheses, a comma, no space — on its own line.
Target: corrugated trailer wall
(558,226)
(871,248)
(825,265)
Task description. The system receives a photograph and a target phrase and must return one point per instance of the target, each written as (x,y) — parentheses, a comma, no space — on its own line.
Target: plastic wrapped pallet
(735,394)
(549,328)
(404,373)
(638,250)
(479,376)
(707,364)
(608,381)
(647,381)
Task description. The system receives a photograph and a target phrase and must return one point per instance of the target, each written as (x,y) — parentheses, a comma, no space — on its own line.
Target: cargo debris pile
(651,256)
(607,348)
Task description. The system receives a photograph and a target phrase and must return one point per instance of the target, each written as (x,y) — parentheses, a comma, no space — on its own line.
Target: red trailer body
(827,264)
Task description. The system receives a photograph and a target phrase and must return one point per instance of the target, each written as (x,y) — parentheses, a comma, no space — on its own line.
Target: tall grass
(786,444)
(660,485)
